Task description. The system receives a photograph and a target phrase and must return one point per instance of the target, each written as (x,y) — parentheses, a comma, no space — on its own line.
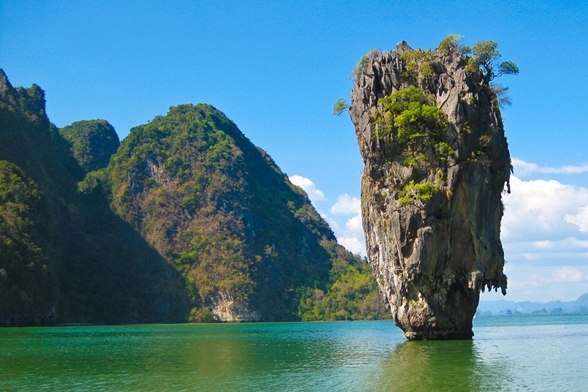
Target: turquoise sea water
(535,353)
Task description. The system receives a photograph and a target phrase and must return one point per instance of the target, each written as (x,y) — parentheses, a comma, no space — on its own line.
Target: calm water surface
(535,353)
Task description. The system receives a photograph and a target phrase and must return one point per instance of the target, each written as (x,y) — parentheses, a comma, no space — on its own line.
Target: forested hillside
(64,255)
(185,220)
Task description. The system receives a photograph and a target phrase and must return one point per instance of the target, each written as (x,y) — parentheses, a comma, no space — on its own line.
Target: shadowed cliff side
(65,257)
(436,164)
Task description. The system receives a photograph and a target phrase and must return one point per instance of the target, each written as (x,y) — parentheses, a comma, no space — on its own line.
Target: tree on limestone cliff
(339,107)
(484,56)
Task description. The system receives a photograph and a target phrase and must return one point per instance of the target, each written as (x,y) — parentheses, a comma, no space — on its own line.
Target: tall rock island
(436,162)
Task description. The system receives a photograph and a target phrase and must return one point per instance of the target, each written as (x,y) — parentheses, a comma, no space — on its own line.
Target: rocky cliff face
(431,186)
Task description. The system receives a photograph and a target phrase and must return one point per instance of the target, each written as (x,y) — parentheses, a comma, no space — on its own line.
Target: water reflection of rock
(443,366)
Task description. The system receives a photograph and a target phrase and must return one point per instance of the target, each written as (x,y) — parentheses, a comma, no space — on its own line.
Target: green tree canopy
(339,107)
(486,57)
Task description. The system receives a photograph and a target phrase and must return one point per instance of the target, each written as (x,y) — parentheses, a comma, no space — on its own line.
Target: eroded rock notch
(436,165)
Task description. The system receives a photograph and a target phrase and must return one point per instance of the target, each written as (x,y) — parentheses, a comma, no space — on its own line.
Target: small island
(436,163)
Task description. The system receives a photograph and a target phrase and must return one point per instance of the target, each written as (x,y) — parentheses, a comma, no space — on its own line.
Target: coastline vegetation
(351,294)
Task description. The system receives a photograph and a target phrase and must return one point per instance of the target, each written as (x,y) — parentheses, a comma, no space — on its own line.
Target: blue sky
(276,69)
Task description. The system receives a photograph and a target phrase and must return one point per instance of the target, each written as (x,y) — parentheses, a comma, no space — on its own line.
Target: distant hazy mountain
(488,308)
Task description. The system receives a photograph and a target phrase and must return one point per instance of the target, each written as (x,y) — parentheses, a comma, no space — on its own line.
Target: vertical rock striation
(431,200)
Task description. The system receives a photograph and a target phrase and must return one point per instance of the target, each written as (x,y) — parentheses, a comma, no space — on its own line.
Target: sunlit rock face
(432,206)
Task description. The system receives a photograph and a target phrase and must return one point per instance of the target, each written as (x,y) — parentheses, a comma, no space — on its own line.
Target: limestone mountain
(65,257)
(219,209)
(436,162)
(92,143)
(184,220)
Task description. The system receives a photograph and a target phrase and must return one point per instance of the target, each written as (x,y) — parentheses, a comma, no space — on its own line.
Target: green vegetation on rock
(339,107)
(450,44)
(419,64)
(417,193)
(410,117)
(92,143)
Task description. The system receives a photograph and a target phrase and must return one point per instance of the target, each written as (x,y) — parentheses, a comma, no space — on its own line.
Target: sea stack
(436,164)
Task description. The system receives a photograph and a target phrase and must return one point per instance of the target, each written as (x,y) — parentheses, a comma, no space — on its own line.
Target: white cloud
(346,205)
(567,243)
(352,237)
(353,244)
(541,224)
(354,225)
(537,210)
(349,232)
(523,169)
(568,275)
(543,283)
(570,250)
(549,258)
(309,187)
(580,219)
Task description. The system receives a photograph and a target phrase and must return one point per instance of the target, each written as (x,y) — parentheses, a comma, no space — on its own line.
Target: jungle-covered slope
(64,255)
(184,220)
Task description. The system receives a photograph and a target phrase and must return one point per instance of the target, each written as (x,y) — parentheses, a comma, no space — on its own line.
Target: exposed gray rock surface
(432,257)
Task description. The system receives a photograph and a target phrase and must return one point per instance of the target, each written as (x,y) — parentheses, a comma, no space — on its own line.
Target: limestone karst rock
(244,238)
(185,220)
(65,257)
(431,186)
